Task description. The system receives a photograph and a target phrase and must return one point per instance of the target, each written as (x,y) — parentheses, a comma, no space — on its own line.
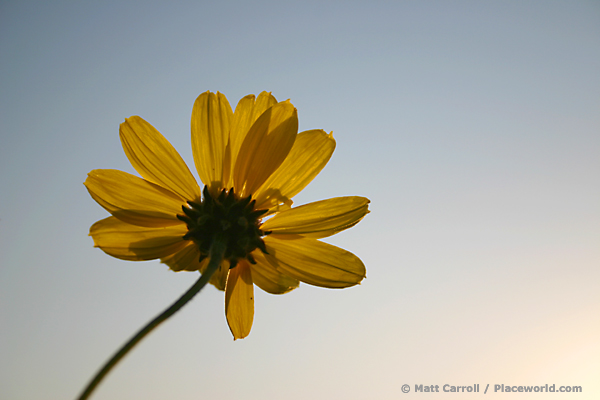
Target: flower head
(252,162)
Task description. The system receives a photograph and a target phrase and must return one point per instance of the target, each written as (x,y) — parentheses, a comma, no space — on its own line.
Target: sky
(473,128)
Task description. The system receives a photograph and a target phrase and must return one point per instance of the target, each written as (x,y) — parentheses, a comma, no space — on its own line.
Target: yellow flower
(252,162)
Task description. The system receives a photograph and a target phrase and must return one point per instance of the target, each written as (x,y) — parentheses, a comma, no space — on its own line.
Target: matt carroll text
(447,388)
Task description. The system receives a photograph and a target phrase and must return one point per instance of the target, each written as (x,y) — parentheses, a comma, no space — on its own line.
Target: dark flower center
(233,220)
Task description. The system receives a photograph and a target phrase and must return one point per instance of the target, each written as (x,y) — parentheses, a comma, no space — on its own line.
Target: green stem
(217,252)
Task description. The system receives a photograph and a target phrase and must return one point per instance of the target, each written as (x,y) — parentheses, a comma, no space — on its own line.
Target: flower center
(234,220)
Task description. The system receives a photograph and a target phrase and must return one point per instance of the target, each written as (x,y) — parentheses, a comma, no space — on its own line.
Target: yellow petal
(314,262)
(266,277)
(134,200)
(311,152)
(155,159)
(265,147)
(211,118)
(136,243)
(239,300)
(245,114)
(188,259)
(219,278)
(319,219)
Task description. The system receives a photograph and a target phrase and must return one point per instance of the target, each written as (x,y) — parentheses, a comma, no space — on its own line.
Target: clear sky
(473,127)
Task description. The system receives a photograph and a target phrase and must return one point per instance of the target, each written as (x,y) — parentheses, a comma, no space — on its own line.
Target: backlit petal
(314,262)
(136,243)
(188,259)
(266,277)
(319,219)
(219,278)
(264,148)
(155,159)
(246,112)
(211,119)
(311,152)
(239,300)
(133,199)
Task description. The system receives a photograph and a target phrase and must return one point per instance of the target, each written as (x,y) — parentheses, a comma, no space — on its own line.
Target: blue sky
(473,127)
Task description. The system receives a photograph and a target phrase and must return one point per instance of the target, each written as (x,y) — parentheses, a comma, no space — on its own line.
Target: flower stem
(217,251)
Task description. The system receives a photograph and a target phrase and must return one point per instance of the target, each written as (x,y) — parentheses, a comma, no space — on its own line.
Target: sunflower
(251,162)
